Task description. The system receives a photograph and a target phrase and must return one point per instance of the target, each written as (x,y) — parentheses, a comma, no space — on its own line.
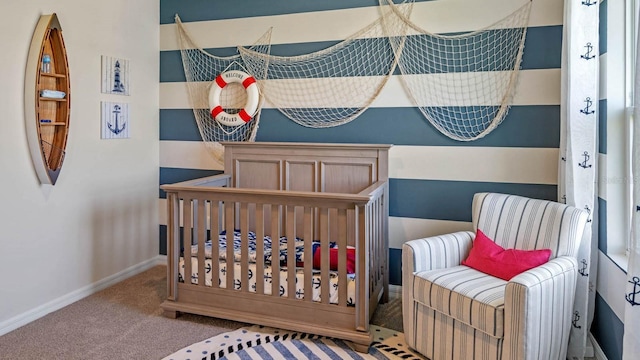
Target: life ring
(246,114)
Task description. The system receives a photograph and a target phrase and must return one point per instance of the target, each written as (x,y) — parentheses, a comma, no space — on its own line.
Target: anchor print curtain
(577,163)
(631,340)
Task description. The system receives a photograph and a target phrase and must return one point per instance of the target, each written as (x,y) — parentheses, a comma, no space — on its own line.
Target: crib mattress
(268,280)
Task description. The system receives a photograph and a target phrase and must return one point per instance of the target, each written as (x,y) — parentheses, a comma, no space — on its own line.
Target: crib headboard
(317,167)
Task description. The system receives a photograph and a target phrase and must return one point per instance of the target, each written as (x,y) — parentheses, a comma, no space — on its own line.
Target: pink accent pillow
(333,259)
(493,259)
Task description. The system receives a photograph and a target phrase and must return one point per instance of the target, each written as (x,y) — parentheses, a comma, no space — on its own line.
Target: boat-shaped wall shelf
(47,100)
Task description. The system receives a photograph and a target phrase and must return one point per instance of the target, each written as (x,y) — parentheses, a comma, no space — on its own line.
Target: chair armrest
(428,254)
(436,252)
(538,303)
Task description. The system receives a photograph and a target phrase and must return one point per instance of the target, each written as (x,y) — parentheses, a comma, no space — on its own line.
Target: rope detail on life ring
(253,96)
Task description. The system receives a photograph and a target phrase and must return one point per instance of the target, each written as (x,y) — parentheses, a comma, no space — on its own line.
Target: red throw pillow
(333,259)
(493,259)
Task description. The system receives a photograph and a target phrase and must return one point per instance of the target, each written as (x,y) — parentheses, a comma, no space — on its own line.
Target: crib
(310,224)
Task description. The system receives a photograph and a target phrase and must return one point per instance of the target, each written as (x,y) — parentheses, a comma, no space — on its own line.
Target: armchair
(452,311)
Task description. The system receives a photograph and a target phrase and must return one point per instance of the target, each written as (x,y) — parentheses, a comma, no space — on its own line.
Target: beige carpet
(125,322)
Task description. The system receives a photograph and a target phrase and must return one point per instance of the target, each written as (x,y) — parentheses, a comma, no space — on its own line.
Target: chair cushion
(493,259)
(466,294)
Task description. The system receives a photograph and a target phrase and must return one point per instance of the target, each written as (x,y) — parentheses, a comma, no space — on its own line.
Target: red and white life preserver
(246,114)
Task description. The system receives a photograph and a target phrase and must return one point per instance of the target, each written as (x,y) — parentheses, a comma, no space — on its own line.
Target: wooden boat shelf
(47,139)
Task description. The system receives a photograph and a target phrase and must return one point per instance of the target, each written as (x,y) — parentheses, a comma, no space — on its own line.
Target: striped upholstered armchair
(451,311)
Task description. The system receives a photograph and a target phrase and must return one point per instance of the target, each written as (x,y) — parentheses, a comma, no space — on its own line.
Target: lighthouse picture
(115,75)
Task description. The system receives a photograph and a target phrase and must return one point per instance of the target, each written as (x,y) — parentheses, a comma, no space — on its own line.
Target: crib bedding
(268,276)
(252,246)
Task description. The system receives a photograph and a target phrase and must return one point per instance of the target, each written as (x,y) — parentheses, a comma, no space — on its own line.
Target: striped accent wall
(433,178)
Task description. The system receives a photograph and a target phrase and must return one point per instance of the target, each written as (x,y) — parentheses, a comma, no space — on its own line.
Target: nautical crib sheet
(268,276)
(252,245)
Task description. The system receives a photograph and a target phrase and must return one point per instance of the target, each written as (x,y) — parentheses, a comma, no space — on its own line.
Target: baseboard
(161,260)
(597,350)
(57,304)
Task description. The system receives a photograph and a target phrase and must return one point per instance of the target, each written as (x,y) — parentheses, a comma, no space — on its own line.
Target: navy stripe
(543,47)
(602,225)
(203,10)
(535,126)
(602,126)
(451,200)
(163,240)
(174,175)
(602,28)
(422,199)
(395,266)
(607,329)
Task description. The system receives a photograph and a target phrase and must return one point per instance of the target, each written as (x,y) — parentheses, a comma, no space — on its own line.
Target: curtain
(578,156)
(631,340)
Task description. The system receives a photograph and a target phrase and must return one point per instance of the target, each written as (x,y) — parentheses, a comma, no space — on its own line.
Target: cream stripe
(491,164)
(187,155)
(435,16)
(602,93)
(535,87)
(610,280)
(403,229)
(602,176)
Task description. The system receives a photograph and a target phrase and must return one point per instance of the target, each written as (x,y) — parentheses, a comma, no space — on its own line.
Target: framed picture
(115,120)
(115,75)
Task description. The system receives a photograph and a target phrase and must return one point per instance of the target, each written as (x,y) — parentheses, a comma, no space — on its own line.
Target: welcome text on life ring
(246,114)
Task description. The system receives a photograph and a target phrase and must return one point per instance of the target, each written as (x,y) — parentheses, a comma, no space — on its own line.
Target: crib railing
(209,206)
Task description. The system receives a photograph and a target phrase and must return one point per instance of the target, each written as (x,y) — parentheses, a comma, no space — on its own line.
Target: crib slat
(324,256)
(275,250)
(229,212)
(244,231)
(291,252)
(215,243)
(186,243)
(307,286)
(362,281)
(201,238)
(173,244)
(260,248)
(342,257)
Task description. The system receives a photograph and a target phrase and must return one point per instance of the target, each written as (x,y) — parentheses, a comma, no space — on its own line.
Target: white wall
(100,220)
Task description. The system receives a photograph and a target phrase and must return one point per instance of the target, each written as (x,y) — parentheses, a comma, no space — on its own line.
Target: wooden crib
(327,193)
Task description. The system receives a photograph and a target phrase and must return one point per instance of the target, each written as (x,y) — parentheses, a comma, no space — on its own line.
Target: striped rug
(258,342)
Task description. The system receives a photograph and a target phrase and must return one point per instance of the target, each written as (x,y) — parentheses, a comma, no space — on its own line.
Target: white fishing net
(462,83)
(332,86)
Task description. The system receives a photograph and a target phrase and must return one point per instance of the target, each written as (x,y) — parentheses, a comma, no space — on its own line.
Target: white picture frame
(115,75)
(115,120)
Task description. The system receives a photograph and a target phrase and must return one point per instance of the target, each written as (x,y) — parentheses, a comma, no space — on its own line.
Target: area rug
(259,342)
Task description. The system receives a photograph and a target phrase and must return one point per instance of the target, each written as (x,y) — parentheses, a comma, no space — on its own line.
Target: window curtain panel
(631,340)
(578,157)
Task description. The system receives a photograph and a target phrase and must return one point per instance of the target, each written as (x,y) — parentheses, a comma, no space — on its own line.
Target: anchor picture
(115,128)
(115,120)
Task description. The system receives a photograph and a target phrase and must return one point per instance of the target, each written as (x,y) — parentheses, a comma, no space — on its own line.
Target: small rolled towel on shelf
(54,94)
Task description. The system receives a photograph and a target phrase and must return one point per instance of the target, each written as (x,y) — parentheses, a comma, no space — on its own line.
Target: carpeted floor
(125,322)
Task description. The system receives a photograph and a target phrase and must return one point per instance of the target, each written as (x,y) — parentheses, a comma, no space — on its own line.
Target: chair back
(516,222)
